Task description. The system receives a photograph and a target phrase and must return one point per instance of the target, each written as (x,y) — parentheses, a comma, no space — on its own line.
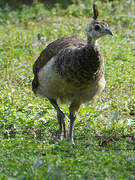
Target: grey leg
(61,118)
(72,119)
(73,113)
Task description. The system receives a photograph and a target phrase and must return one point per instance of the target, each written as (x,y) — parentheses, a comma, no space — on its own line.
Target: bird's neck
(91,41)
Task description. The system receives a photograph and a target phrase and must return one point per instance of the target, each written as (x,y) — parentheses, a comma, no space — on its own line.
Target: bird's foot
(71,141)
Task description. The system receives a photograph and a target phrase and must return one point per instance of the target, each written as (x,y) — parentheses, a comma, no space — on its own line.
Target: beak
(107,31)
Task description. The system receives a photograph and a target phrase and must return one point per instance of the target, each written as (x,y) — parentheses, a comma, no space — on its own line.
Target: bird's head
(97,28)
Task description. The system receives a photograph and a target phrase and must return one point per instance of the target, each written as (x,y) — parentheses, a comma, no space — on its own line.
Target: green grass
(104,130)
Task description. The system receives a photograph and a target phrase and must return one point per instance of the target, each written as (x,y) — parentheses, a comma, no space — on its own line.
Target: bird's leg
(73,113)
(61,118)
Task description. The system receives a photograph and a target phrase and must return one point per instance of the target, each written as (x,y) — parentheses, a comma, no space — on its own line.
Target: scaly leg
(73,113)
(61,118)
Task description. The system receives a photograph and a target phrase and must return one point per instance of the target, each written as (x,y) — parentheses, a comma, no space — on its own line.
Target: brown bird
(71,70)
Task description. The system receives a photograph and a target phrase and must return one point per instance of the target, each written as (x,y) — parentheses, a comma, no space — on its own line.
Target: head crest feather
(95,11)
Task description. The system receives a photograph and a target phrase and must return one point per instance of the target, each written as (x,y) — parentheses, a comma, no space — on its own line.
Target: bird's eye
(97,27)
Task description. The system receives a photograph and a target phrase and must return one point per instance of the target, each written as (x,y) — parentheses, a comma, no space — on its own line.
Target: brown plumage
(52,50)
(71,70)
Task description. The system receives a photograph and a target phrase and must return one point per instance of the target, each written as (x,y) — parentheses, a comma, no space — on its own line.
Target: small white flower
(82,5)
